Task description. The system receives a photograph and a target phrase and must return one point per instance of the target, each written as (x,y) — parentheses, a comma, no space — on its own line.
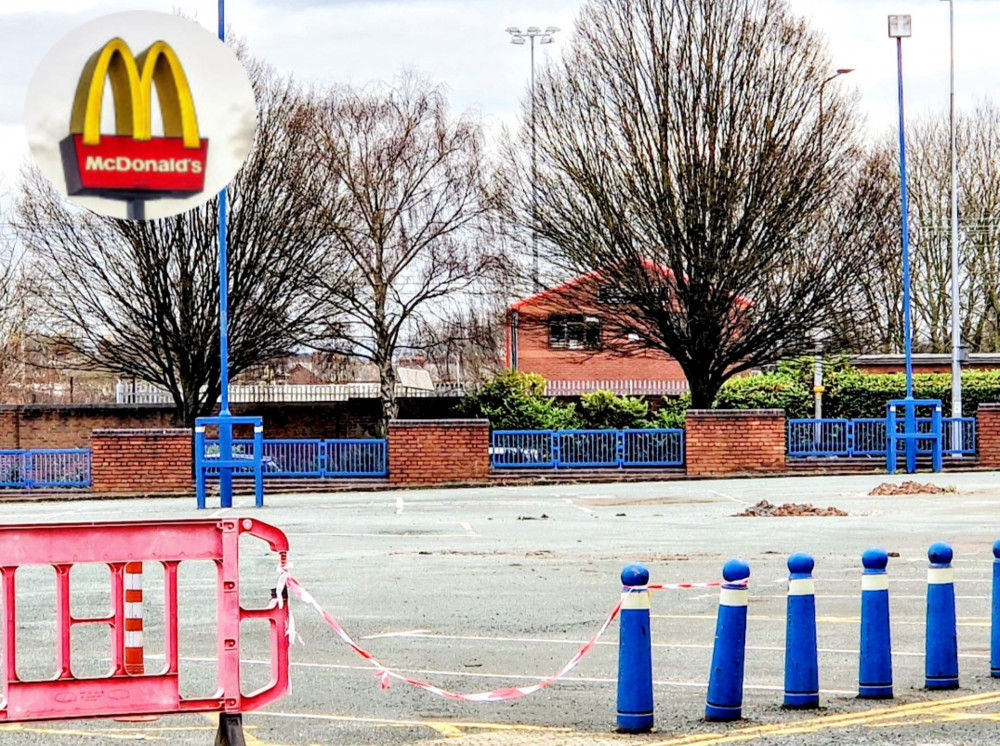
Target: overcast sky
(462,44)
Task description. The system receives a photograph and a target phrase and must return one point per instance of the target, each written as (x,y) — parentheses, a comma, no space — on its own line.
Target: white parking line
(399,505)
(578,507)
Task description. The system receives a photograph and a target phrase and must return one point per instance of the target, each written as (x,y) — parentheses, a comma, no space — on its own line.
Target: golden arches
(132,92)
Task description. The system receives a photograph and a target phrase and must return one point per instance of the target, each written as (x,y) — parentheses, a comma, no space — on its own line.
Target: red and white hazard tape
(385,675)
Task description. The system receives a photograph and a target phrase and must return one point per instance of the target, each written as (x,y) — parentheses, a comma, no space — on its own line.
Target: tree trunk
(387,395)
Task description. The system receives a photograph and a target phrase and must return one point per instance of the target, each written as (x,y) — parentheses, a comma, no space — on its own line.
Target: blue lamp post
(900,28)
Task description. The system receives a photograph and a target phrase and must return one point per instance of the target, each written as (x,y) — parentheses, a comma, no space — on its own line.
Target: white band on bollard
(802,587)
(940,575)
(875,582)
(635,600)
(199,429)
(258,428)
(734,597)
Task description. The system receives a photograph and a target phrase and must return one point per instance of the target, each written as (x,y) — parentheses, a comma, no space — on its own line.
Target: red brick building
(565,335)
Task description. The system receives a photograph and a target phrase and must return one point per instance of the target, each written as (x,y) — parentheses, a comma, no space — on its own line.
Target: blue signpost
(899,28)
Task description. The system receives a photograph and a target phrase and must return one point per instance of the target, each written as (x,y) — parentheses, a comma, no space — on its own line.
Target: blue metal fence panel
(575,449)
(653,447)
(45,467)
(355,458)
(13,467)
(311,458)
(588,448)
(523,449)
(868,437)
(819,437)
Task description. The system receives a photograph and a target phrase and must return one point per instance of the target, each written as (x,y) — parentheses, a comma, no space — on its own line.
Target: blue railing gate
(594,449)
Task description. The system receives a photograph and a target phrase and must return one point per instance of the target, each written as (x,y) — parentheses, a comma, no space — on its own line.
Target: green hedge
(517,401)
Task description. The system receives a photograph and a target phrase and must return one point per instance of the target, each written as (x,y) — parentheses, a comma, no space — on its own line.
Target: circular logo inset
(140,115)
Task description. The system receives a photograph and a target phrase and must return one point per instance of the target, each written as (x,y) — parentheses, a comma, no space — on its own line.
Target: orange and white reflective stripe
(134,663)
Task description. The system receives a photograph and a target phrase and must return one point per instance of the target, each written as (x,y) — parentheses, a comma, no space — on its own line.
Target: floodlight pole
(956,330)
(225,433)
(899,26)
(545,37)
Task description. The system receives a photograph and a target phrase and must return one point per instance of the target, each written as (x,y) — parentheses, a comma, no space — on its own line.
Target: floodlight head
(512,30)
(533,30)
(551,30)
(517,40)
(545,39)
(900,27)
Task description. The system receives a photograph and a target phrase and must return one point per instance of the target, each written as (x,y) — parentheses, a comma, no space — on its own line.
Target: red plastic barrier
(120,694)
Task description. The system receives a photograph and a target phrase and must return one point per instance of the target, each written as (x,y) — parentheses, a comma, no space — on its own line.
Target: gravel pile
(908,488)
(764,509)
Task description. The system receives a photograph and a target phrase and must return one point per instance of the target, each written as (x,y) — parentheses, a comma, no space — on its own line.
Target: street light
(900,27)
(544,37)
(956,333)
(818,366)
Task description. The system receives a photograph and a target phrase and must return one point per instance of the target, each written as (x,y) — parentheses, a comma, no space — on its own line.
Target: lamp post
(900,27)
(544,37)
(818,367)
(956,332)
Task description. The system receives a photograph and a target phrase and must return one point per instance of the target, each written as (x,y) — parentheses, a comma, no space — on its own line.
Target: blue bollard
(941,646)
(801,657)
(635,654)
(725,680)
(875,678)
(995,616)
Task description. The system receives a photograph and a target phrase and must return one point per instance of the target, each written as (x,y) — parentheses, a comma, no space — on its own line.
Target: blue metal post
(725,680)
(635,654)
(937,452)
(910,413)
(801,657)
(258,458)
(995,616)
(875,679)
(890,440)
(199,466)
(225,431)
(941,646)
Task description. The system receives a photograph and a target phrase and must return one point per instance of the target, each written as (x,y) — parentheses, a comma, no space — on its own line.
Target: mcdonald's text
(122,163)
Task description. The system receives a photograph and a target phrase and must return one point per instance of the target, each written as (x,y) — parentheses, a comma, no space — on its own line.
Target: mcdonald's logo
(132,162)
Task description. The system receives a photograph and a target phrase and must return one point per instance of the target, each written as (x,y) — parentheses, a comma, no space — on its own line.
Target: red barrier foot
(230,731)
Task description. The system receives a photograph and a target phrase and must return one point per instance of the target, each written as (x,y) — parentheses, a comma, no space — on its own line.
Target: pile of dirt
(764,509)
(909,488)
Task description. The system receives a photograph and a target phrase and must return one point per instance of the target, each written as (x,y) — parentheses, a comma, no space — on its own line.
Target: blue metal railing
(556,449)
(45,467)
(868,437)
(319,459)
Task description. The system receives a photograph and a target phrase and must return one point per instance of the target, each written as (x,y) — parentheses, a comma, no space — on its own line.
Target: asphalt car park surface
(478,589)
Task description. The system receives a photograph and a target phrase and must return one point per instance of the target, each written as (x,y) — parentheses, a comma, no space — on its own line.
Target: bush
(852,394)
(516,401)
(603,410)
(672,414)
(773,391)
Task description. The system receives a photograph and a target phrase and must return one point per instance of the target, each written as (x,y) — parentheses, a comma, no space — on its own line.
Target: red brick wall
(726,441)
(69,426)
(988,427)
(432,452)
(142,461)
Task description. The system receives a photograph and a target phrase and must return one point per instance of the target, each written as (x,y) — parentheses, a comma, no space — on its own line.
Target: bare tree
(141,298)
(682,155)
(408,212)
(929,182)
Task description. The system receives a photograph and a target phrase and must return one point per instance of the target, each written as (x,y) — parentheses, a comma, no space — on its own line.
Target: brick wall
(438,451)
(988,427)
(69,426)
(149,460)
(726,441)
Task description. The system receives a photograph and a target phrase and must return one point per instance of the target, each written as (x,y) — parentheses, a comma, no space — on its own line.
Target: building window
(574,332)
(611,295)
